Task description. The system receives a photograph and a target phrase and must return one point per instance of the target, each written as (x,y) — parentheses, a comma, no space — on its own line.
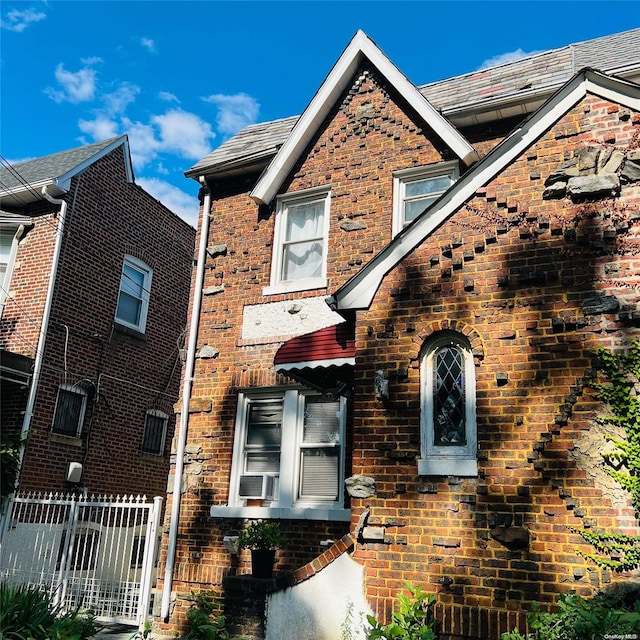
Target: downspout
(186,397)
(44,327)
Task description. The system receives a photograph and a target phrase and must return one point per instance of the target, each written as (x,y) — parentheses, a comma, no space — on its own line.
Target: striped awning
(323,359)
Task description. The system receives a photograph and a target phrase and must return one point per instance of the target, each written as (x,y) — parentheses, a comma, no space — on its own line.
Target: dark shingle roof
(49,168)
(504,88)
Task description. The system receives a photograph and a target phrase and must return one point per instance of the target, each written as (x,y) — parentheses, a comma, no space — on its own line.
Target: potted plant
(262,538)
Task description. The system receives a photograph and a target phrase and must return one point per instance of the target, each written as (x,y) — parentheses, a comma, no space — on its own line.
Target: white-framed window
(8,250)
(71,405)
(448,407)
(288,449)
(133,296)
(155,432)
(416,188)
(300,241)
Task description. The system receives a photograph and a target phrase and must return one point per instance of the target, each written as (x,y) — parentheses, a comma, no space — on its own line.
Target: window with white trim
(300,241)
(133,297)
(8,249)
(288,449)
(416,188)
(155,432)
(71,405)
(448,407)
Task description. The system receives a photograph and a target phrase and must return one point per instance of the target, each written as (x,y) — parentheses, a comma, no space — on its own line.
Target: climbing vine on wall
(619,388)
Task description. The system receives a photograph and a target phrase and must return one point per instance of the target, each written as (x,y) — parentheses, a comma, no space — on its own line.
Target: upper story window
(448,407)
(300,242)
(155,432)
(133,298)
(71,405)
(288,450)
(8,249)
(416,188)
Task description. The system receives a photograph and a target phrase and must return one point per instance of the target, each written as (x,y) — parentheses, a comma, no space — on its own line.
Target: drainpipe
(44,327)
(186,397)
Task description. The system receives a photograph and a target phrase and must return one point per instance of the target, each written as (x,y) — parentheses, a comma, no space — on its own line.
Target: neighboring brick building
(95,288)
(350,256)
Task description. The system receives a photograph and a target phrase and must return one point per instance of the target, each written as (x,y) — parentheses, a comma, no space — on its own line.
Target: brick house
(95,281)
(397,298)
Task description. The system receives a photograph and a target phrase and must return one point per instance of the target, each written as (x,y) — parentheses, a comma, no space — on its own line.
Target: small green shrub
(261,535)
(412,621)
(28,613)
(204,620)
(578,619)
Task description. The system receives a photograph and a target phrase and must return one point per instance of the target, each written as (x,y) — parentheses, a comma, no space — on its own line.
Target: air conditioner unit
(256,485)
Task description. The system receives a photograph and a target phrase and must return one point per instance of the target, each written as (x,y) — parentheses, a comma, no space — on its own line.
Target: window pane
(262,462)
(426,186)
(304,221)
(129,309)
(449,397)
(132,281)
(154,433)
(265,424)
(319,474)
(321,421)
(68,412)
(302,260)
(413,208)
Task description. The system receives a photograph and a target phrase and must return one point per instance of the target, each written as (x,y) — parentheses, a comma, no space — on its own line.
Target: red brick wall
(123,374)
(507,272)
(438,527)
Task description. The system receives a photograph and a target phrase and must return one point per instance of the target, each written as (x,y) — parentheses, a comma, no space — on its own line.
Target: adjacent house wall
(123,373)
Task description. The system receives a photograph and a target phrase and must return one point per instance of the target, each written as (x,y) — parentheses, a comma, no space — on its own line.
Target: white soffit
(359,291)
(336,82)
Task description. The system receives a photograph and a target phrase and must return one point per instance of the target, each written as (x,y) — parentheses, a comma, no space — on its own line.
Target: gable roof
(358,292)
(339,78)
(514,88)
(22,182)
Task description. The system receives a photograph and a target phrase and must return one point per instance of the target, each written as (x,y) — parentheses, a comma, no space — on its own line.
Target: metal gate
(93,553)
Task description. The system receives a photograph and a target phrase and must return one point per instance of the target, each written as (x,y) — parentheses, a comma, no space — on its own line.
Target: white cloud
(17,20)
(148,44)
(180,202)
(75,87)
(168,96)
(234,111)
(117,101)
(143,143)
(99,129)
(184,133)
(502,58)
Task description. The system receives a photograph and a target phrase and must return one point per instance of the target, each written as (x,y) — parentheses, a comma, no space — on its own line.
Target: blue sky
(182,77)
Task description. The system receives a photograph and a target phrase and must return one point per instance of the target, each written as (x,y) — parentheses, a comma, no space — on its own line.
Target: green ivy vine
(619,388)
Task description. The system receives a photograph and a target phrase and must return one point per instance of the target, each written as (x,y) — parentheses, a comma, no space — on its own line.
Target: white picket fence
(95,552)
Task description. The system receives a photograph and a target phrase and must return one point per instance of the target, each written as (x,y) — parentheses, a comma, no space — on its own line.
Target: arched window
(448,407)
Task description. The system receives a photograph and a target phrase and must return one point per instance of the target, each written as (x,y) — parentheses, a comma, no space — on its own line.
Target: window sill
(282,513)
(448,467)
(296,285)
(129,331)
(72,441)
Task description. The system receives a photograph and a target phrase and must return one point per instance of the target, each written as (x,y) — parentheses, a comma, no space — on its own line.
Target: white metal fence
(93,552)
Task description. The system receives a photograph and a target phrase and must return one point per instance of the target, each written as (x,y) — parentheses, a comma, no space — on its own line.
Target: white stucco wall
(319,608)
(287,318)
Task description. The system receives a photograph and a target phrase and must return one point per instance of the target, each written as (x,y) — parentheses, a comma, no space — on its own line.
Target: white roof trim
(327,95)
(64,181)
(359,291)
